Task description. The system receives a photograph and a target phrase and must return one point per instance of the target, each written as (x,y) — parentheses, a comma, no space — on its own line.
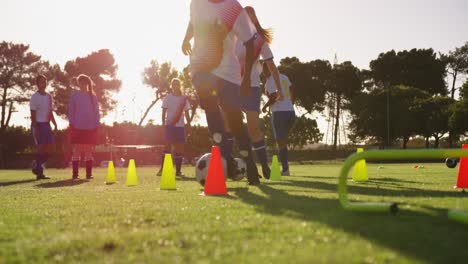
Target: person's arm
(275,74)
(34,124)
(249,60)
(292,95)
(187,117)
(186,46)
(163,116)
(98,112)
(52,118)
(71,112)
(272,98)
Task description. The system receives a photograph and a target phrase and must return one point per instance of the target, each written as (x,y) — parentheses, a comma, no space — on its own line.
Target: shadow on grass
(4,184)
(59,184)
(371,188)
(427,236)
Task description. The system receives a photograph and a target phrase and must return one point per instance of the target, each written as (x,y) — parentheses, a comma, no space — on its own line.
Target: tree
(345,83)
(457,63)
(458,121)
(18,70)
(157,77)
(102,69)
(418,68)
(369,114)
(432,117)
(309,80)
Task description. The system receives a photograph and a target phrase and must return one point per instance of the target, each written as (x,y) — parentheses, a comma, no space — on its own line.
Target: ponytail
(267,33)
(86,80)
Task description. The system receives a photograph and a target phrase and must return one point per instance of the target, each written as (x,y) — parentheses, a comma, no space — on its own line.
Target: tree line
(402,95)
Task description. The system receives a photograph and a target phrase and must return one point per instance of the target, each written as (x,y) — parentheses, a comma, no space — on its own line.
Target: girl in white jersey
(175,107)
(283,115)
(251,104)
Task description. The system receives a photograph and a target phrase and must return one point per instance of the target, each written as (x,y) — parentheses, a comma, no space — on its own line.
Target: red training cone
(215,183)
(462,181)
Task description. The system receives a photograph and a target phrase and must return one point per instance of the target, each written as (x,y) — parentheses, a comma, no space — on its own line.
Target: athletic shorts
(282,122)
(211,87)
(175,134)
(85,137)
(252,102)
(46,136)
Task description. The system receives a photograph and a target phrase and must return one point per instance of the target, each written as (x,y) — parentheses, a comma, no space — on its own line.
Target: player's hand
(264,110)
(245,87)
(186,48)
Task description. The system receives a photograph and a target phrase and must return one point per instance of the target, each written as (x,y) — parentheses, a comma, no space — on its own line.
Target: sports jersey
(42,105)
(217,26)
(264,53)
(286,104)
(176,107)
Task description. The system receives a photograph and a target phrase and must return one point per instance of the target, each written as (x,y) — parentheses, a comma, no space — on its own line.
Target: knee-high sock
(41,158)
(89,168)
(283,156)
(178,162)
(75,165)
(260,149)
(229,144)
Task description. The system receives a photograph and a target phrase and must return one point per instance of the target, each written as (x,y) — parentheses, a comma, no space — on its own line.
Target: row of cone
(360,171)
(215,183)
(167,179)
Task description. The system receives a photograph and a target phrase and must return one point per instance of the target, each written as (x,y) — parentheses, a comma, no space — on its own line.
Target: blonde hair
(266,33)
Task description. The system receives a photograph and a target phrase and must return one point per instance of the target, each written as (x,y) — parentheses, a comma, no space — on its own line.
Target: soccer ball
(242,168)
(451,162)
(201,168)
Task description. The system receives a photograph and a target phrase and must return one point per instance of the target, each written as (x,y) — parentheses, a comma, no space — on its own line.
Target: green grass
(297,220)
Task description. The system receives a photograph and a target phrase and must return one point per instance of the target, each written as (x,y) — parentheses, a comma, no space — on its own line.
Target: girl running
(251,104)
(83,116)
(175,106)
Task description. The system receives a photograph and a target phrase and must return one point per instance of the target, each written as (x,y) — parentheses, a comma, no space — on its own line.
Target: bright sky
(141,30)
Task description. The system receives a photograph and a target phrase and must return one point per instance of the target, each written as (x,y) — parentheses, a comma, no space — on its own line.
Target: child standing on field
(83,116)
(175,106)
(41,105)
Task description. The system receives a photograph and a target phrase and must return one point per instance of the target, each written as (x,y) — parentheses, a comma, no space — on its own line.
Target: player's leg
(88,150)
(258,139)
(178,158)
(76,157)
(282,124)
(231,104)
(207,85)
(169,138)
(43,139)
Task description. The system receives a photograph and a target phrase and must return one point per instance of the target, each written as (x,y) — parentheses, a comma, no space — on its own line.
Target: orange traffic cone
(462,181)
(215,183)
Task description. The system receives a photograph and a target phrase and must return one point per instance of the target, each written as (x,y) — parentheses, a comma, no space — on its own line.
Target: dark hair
(266,33)
(83,79)
(40,77)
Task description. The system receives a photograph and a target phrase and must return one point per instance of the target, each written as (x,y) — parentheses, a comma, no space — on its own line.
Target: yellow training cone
(110,179)
(360,169)
(275,174)
(168,174)
(132,179)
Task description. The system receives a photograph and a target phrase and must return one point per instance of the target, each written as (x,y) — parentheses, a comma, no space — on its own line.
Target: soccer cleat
(159,173)
(179,174)
(42,177)
(90,177)
(75,177)
(266,172)
(285,173)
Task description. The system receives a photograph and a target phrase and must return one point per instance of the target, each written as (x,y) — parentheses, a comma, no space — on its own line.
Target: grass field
(297,220)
